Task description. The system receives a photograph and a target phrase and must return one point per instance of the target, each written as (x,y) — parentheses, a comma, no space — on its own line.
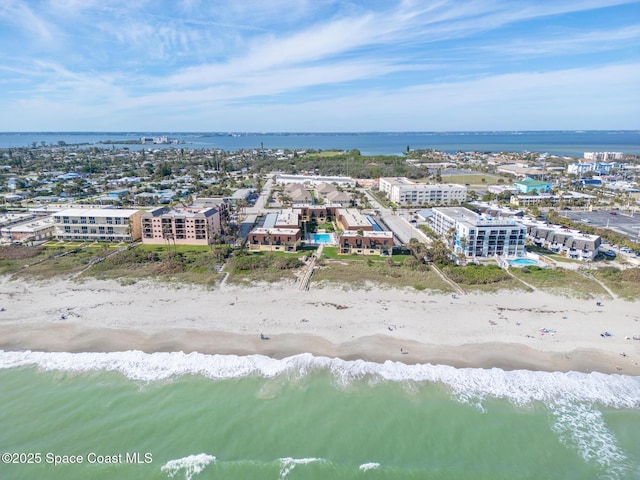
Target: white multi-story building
(476,235)
(314,180)
(598,167)
(603,156)
(403,191)
(98,224)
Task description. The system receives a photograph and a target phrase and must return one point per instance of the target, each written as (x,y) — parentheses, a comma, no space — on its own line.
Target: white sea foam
(582,427)
(369,466)
(288,464)
(191,465)
(469,385)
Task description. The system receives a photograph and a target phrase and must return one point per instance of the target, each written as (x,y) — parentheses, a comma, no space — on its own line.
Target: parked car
(612,213)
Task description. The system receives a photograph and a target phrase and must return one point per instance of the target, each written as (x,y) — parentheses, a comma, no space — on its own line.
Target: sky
(319,65)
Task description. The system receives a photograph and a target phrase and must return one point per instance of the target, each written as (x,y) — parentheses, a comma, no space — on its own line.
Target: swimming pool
(522,262)
(321,238)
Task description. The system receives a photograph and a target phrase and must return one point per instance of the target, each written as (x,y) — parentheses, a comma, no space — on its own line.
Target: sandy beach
(509,330)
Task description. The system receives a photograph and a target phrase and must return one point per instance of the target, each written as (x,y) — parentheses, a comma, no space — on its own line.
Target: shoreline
(377,349)
(507,330)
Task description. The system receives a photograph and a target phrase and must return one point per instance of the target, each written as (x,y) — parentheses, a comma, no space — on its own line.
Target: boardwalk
(306,278)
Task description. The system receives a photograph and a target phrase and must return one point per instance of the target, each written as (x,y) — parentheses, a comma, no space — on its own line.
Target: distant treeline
(349,163)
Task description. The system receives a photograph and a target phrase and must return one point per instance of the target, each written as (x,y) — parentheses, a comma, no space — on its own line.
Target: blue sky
(315,65)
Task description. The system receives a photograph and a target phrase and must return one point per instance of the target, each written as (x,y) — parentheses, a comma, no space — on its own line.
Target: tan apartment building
(184,226)
(98,224)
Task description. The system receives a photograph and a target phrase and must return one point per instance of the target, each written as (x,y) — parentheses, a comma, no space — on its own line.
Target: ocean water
(173,415)
(569,143)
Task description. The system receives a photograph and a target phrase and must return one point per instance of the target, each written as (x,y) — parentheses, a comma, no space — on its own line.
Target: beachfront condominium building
(32,230)
(366,242)
(98,224)
(403,191)
(184,226)
(476,235)
(562,240)
(274,239)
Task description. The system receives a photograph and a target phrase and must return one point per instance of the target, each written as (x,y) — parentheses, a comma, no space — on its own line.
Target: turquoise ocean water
(172,415)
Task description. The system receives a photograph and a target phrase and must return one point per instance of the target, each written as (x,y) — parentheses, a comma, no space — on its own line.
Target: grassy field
(560,281)
(332,254)
(624,283)
(474,179)
(326,154)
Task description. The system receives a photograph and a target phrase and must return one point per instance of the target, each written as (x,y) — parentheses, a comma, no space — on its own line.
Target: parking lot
(613,219)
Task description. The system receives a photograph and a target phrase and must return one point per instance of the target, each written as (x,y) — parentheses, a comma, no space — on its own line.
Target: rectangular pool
(321,238)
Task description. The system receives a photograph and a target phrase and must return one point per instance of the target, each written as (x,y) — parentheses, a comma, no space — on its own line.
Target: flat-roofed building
(184,226)
(316,213)
(287,218)
(548,199)
(476,235)
(98,224)
(403,191)
(366,242)
(529,185)
(274,239)
(314,179)
(35,230)
(7,219)
(352,219)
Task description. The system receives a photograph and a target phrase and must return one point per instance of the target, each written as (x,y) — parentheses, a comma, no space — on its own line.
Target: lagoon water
(569,143)
(304,417)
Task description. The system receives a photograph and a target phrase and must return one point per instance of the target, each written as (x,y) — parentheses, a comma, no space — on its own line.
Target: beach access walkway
(450,282)
(306,278)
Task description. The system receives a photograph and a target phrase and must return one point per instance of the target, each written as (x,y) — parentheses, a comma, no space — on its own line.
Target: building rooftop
(96,212)
(353,217)
(464,215)
(368,234)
